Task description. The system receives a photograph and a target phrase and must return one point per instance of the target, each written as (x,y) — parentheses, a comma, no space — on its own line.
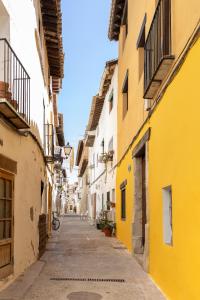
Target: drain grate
(119,247)
(87,279)
(84,296)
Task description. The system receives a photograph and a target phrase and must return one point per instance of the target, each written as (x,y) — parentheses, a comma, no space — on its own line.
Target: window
(103,146)
(111,99)
(125,95)
(110,145)
(125,22)
(141,37)
(167,214)
(140,46)
(108,200)
(113,195)
(123,199)
(123,203)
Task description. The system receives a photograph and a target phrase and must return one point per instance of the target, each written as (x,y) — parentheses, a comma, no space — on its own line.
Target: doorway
(139,203)
(49,207)
(6,224)
(94,206)
(140,238)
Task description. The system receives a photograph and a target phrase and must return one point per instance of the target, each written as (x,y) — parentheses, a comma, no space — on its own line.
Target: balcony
(58,155)
(14,88)
(158,56)
(49,143)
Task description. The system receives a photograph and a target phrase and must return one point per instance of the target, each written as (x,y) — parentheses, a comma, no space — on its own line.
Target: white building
(101,138)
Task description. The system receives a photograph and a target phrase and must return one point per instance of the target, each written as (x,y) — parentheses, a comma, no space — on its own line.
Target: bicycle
(55,222)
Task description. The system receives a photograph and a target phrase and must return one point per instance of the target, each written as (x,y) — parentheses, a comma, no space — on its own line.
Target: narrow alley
(81,263)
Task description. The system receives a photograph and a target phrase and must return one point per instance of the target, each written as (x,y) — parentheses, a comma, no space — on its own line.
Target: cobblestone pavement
(78,261)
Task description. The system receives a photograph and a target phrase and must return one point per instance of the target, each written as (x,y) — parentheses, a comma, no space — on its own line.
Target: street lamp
(67,150)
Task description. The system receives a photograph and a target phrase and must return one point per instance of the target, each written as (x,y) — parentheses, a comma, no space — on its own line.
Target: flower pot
(108,232)
(4,86)
(4,90)
(98,226)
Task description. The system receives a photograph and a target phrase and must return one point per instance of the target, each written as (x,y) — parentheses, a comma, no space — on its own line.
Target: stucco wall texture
(27,194)
(174,149)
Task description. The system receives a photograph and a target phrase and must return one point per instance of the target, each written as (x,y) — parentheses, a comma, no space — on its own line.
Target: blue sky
(87,48)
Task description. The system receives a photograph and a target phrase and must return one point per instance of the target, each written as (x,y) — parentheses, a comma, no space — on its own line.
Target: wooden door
(6,224)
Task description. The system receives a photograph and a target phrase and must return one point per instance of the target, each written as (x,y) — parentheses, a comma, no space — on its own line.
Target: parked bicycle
(55,222)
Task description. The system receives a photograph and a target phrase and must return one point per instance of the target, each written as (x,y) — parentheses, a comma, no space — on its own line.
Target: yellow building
(158,128)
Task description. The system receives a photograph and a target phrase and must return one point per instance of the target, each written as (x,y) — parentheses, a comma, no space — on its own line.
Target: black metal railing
(14,81)
(158,42)
(49,141)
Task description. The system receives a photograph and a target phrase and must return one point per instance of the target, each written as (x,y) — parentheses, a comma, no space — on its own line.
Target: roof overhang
(79,152)
(117,8)
(83,167)
(95,112)
(90,138)
(52,24)
(107,77)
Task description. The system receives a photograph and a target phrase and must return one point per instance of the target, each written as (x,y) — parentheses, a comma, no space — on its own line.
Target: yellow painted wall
(185,15)
(174,149)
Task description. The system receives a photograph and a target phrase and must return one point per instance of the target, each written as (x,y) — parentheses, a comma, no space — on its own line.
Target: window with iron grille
(158,51)
(49,141)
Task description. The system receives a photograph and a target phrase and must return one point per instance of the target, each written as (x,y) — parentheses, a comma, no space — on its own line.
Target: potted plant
(108,229)
(98,223)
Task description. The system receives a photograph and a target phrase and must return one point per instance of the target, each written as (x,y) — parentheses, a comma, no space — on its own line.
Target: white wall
(106,130)
(22,39)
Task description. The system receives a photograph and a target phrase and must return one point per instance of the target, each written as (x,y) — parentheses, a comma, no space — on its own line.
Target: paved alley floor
(78,261)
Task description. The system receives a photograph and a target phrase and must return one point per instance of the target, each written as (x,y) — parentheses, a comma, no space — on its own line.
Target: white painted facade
(102,176)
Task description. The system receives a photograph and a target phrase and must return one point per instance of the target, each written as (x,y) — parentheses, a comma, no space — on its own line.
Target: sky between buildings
(87,48)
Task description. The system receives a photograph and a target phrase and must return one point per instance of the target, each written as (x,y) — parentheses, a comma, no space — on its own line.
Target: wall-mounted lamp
(67,150)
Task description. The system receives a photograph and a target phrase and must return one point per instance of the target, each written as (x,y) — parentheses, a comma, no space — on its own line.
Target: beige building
(30,80)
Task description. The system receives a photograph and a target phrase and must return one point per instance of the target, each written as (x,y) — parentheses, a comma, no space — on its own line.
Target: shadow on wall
(35,131)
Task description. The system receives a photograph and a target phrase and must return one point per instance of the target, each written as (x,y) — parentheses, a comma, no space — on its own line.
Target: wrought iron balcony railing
(49,142)
(14,87)
(158,52)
